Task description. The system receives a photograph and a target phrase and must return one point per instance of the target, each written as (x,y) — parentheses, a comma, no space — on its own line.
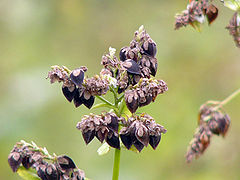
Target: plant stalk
(228,99)
(116,164)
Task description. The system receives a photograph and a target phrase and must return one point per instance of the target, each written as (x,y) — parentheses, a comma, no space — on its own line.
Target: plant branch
(104,100)
(116,164)
(228,99)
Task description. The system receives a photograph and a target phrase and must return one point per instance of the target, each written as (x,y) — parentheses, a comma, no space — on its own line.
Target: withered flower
(47,167)
(212,120)
(104,127)
(144,93)
(195,13)
(141,131)
(234,28)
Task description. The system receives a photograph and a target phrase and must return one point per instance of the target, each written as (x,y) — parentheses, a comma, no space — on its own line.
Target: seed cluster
(196,12)
(211,121)
(103,127)
(47,167)
(77,89)
(144,93)
(137,130)
(234,28)
(141,131)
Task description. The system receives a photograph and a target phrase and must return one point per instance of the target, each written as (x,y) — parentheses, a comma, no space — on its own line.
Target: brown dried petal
(14,160)
(66,162)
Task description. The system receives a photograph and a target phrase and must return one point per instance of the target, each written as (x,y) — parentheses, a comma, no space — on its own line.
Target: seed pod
(122,54)
(41,171)
(88,99)
(149,47)
(139,146)
(113,125)
(131,99)
(14,160)
(113,140)
(154,141)
(132,67)
(78,99)
(77,77)
(26,162)
(88,136)
(126,140)
(51,172)
(128,53)
(211,13)
(69,92)
(66,162)
(141,134)
(101,134)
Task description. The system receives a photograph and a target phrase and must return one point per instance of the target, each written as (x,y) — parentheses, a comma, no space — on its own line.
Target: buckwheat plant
(130,79)
(199,10)
(212,120)
(32,162)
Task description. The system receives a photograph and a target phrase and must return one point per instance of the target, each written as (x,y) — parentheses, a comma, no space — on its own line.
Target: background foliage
(197,67)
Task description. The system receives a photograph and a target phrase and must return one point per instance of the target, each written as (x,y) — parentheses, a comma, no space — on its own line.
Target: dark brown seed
(41,172)
(26,162)
(78,99)
(14,160)
(114,124)
(77,77)
(149,48)
(138,145)
(154,141)
(113,141)
(212,13)
(126,140)
(101,135)
(51,172)
(69,93)
(66,162)
(142,135)
(88,136)
(122,54)
(132,67)
(89,103)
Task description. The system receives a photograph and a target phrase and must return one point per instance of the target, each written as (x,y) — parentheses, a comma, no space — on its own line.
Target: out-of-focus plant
(212,120)
(199,10)
(130,79)
(32,162)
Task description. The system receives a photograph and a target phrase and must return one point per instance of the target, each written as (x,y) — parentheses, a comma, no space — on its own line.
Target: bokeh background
(197,67)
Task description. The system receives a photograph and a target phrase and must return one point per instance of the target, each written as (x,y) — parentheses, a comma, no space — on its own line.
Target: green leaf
(104,149)
(232,4)
(27,174)
(197,25)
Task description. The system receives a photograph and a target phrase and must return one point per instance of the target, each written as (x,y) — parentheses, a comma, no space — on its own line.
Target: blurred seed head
(48,167)
(211,121)
(234,28)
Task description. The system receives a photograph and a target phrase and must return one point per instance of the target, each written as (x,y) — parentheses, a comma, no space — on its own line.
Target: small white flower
(111,80)
(200,18)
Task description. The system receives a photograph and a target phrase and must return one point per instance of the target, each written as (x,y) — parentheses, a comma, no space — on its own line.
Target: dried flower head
(234,28)
(195,13)
(212,120)
(144,93)
(141,131)
(104,127)
(47,167)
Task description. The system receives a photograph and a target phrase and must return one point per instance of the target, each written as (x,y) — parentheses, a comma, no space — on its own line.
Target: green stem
(116,164)
(104,100)
(228,99)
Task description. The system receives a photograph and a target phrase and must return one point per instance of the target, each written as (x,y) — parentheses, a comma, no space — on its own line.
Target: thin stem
(228,99)
(104,100)
(116,164)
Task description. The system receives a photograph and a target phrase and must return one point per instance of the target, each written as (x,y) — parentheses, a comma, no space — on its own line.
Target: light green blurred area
(197,67)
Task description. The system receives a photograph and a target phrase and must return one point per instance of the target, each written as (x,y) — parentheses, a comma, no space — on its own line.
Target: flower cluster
(77,88)
(141,131)
(234,28)
(143,93)
(104,127)
(195,13)
(47,167)
(211,121)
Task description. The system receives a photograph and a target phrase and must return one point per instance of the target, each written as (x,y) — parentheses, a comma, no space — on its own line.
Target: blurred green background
(197,67)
